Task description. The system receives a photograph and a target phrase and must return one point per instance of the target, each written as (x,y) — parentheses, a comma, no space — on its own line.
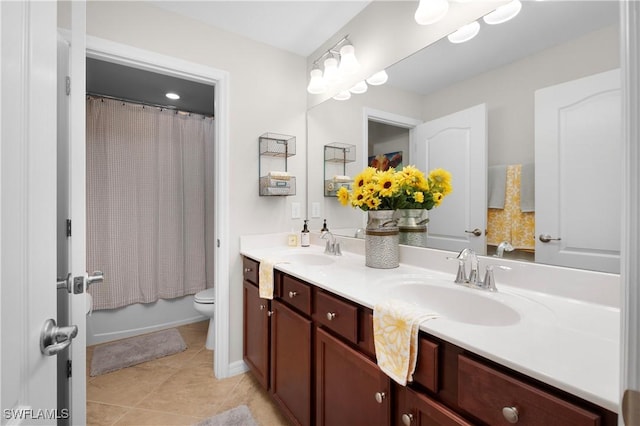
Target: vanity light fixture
(503,13)
(331,74)
(317,85)
(348,62)
(173,96)
(431,11)
(378,78)
(359,88)
(343,96)
(465,33)
(340,59)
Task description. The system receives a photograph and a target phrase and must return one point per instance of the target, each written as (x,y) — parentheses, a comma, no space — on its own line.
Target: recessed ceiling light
(173,96)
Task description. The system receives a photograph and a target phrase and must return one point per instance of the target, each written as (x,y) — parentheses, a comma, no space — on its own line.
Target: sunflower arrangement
(391,190)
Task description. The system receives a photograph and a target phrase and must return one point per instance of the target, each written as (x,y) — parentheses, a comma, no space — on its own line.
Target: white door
(71,206)
(578,157)
(28,209)
(457,143)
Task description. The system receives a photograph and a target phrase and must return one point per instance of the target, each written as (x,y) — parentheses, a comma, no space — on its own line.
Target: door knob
(475,232)
(54,339)
(96,278)
(545,238)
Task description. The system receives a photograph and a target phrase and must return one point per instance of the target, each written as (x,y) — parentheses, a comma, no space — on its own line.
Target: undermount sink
(456,303)
(311,259)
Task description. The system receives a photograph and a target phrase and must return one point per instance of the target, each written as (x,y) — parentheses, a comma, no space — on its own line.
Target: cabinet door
(291,363)
(350,388)
(255,344)
(415,409)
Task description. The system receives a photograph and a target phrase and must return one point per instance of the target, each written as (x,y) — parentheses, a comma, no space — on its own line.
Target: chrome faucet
(502,247)
(489,282)
(332,247)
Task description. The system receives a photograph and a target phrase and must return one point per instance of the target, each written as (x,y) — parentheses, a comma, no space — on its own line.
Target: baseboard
(123,334)
(237,367)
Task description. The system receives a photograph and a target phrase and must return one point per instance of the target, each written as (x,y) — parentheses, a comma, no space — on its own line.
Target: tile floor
(175,390)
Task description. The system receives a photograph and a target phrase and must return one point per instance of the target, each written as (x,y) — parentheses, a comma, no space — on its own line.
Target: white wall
(267,94)
(509,91)
(385,138)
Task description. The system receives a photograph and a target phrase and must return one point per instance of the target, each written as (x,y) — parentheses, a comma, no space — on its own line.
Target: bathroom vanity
(312,348)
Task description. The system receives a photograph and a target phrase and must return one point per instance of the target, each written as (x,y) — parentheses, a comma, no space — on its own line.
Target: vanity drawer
(296,294)
(250,270)
(492,396)
(426,372)
(337,315)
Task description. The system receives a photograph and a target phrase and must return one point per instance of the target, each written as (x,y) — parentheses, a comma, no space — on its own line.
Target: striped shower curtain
(149,202)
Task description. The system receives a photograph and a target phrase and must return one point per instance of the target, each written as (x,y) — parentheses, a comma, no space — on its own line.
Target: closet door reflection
(578,170)
(457,143)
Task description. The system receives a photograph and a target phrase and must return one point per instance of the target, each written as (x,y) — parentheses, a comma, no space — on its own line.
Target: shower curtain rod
(152,105)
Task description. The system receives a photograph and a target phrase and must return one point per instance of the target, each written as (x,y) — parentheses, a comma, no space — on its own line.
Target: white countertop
(572,343)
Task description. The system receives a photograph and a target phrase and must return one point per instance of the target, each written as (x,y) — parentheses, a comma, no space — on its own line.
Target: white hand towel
(497,186)
(395,331)
(265,277)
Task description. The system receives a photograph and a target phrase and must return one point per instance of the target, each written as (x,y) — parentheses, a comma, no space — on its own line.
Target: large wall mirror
(512,70)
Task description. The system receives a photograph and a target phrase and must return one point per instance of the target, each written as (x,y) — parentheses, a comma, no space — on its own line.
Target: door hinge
(68,85)
(68,228)
(69,368)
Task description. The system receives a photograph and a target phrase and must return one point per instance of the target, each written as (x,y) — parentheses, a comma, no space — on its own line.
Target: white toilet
(205,302)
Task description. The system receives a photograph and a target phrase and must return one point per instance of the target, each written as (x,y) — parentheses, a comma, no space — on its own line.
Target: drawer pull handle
(380,397)
(407,419)
(510,414)
(331,315)
(247,270)
(292,294)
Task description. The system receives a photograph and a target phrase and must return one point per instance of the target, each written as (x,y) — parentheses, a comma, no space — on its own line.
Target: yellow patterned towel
(265,277)
(395,332)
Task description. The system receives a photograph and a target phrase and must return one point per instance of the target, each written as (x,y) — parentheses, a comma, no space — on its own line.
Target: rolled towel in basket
(279,175)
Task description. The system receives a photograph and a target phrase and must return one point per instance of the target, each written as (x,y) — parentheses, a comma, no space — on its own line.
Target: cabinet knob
(269,313)
(293,294)
(407,419)
(510,414)
(248,269)
(380,396)
(262,307)
(331,315)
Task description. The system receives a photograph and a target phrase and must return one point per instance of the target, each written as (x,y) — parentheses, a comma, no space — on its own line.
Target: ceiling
(298,26)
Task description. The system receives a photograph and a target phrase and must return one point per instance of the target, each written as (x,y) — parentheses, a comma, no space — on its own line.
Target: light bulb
(317,85)
(343,96)
(331,74)
(359,88)
(378,78)
(465,33)
(173,96)
(503,13)
(431,11)
(348,62)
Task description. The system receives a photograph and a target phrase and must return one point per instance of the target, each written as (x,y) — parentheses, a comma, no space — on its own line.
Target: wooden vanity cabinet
(255,339)
(314,351)
(277,343)
(350,388)
(417,409)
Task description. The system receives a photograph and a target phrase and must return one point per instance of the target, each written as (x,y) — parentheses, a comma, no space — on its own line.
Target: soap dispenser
(324,226)
(304,235)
